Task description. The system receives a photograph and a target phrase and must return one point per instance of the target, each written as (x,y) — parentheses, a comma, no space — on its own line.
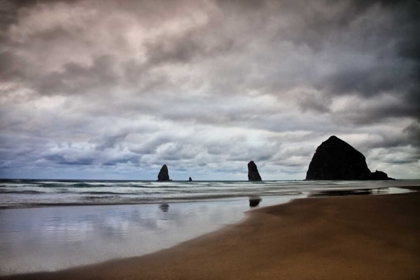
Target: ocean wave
(21,192)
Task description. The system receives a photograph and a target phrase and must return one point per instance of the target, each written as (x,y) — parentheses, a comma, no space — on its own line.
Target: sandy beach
(352,237)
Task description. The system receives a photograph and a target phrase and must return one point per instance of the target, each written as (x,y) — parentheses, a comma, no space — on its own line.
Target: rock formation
(190,179)
(253,174)
(379,175)
(163,174)
(335,159)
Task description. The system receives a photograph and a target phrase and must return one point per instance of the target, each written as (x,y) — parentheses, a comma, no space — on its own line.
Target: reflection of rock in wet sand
(254,201)
(164,207)
(341,192)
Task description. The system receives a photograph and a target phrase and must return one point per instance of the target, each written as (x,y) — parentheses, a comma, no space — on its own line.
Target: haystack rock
(190,179)
(379,175)
(335,159)
(253,174)
(163,174)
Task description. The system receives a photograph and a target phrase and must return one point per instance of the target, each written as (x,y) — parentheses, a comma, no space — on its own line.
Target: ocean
(31,193)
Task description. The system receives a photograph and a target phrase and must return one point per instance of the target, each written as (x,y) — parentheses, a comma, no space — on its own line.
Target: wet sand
(351,237)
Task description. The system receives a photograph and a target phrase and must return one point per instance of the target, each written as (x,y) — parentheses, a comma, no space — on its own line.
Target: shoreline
(329,238)
(37,194)
(217,198)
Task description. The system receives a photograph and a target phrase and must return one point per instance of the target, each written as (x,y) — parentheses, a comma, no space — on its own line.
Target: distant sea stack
(253,174)
(163,174)
(335,159)
(190,179)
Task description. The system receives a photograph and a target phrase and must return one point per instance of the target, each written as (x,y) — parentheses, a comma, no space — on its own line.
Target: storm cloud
(112,89)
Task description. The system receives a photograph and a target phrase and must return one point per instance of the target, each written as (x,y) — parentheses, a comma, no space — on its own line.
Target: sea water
(30,193)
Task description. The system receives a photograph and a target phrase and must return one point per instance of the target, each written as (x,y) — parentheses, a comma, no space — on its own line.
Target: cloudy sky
(113,89)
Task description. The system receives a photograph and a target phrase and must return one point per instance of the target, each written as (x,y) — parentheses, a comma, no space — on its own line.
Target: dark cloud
(149,146)
(109,142)
(413,133)
(11,67)
(131,160)
(61,159)
(315,102)
(8,15)
(78,79)
(325,22)
(371,114)
(369,82)
(409,48)
(186,47)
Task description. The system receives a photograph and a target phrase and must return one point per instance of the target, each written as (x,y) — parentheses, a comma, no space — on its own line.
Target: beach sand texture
(355,237)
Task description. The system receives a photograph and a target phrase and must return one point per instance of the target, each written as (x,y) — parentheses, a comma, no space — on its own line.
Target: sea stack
(253,174)
(163,174)
(335,159)
(190,179)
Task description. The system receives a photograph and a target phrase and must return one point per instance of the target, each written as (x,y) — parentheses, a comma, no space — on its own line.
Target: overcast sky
(111,89)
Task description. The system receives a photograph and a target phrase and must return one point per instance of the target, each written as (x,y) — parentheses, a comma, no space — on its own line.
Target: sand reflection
(53,238)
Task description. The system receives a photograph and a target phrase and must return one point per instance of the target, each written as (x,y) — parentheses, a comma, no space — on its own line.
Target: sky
(114,89)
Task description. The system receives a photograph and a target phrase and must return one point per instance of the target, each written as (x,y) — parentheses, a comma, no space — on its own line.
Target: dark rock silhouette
(190,179)
(341,192)
(253,174)
(379,175)
(254,201)
(163,174)
(335,159)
